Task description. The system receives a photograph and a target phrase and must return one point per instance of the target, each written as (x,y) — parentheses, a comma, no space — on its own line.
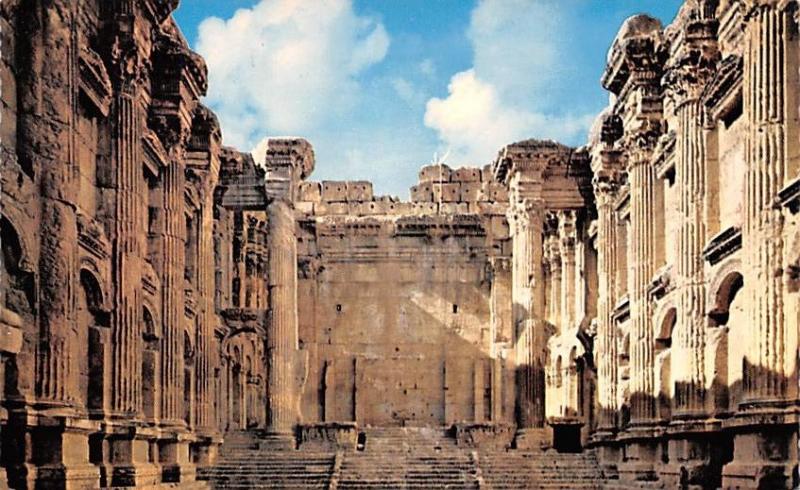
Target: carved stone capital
(694,62)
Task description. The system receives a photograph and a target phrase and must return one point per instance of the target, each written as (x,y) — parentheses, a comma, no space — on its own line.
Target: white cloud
(427,67)
(406,90)
(474,122)
(287,66)
(506,96)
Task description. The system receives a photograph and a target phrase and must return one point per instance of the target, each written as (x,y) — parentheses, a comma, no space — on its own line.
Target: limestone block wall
(397,305)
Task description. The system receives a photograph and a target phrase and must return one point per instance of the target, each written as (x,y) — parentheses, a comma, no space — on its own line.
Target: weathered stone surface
(635,299)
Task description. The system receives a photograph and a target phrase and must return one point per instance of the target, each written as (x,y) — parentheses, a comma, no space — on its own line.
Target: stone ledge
(484,435)
(328,435)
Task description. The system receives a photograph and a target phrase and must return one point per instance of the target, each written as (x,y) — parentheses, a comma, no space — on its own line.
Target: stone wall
(637,295)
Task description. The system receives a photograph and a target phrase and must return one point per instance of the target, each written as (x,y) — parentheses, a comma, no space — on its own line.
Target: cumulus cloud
(287,66)
(512,90)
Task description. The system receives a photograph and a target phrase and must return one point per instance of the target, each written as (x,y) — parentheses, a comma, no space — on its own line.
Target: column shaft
(282,329)
(173,294)
(766,146)
(690,329)
(606,330)
(642,255)
(127,335)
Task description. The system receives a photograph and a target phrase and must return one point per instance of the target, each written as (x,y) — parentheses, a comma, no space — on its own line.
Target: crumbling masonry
(636,297)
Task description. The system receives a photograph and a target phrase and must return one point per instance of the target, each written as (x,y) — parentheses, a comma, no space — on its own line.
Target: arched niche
(727,320)
(18,287)
(93,335)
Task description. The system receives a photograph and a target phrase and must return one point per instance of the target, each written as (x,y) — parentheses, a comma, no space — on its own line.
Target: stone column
(126,392)
(54,437)
(528,294)
(765,446)
(689,347)
(767,148)
(204,369)
(567,234)
(47,140)
(642,255)
(173,295)
(554,260)
(282,327)
(606,184)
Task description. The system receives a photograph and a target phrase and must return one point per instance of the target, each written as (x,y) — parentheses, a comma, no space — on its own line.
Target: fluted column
(605,191)
(554,260)
(528,293)
(690,343)
(282,329)
(567,238)
(766,152)
(173,293)
(48,107)
(205,292)
(642,255)
(126,377)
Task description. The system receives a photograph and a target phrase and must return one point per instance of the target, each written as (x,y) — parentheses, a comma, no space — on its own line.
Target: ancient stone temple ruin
(620,315)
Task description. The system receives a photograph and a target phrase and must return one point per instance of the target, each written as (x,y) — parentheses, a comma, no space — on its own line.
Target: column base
(277,442)
(533,439)
(175,460)
(126,455)
(58,476)
(206,450)
(696,452)
(765,458)
(642,453)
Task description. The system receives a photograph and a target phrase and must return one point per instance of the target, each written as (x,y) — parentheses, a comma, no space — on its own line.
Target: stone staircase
(407,458)
(540,470)
(245,462)
(398,458)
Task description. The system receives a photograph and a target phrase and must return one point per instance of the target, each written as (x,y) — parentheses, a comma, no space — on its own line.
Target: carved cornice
(156,156)
(789,196)
(661,284)
(91,237)
(634,58)
(622,310)
(531,157)
(159,10)
(662,155)
(724,89)
(723,244)
(94,81)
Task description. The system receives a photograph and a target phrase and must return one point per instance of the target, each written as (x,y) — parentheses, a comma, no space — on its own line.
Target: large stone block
(310,191)
(446,192)
(466,174)
(359,191)
(334,191)
(435,173)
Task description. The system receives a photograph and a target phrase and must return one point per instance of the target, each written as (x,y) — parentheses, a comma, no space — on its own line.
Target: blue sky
(379,86)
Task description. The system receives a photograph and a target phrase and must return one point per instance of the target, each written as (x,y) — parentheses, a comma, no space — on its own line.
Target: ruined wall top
(439,190)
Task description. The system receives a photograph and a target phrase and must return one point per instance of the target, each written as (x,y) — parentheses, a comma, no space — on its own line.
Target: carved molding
(723,244)
(94,80)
